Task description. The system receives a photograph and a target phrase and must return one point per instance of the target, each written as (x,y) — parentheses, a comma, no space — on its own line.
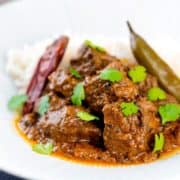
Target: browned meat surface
(129,138)
(29,123)
(172,136)
(55,102)
(90,60)
(62,82)
(148,83)
(98,93)
(115,137)
(64,126)
(28,126)
(125,89)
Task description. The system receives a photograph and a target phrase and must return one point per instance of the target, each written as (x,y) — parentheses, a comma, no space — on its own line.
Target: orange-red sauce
(63,156)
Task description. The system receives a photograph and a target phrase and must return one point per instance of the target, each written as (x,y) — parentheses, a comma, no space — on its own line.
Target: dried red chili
(47,64)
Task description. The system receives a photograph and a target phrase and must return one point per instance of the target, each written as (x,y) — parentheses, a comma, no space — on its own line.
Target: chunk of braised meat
(172,136)
(29,122)
(54,100)
(28,125)
(62,82)
(130,138)
(125,89)
(148,83)
(63,125)
(100,92)
(121,65)
(148,115)
(90,60)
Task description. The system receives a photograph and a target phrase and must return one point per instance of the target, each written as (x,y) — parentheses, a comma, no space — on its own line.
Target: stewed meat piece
(90,60)
(62,82)
(28,126)
(29,122)
(125,89)
(100,92)
(129,138)
(60,123)
(148,83)
(63,125)
(172,136)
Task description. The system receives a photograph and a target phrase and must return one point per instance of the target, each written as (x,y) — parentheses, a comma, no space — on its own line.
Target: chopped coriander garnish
(78,94)
(169,112)
(43,105)
(137,74)
(129,108)
(16,102)
(75,73)
(86,116)
(158,142)
(45,149)
(94,46)
(111,74)
(155,94)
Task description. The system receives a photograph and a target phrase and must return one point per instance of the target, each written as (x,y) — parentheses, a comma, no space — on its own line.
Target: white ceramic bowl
(26,22)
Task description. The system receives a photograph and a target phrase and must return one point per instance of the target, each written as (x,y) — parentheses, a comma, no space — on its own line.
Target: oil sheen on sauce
(63,156)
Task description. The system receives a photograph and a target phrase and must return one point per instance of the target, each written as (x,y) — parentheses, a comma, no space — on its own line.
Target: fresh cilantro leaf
(16,102)
(155,94)
(93,46)
(129,108)
(75,73)
(137,74)
(111,74)
(169,112)
(45,149)
(86,116)
(43,105)
(78,94)
(158,142)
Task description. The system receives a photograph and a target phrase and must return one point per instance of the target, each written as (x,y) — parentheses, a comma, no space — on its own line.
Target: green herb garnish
(111,74)
(75,73)
(169,112)
(45,149)
(78,94)
(129,108)
(43,105)
(86,116)
(94,46)
(16,102)
(155,94)
(158,142)
(137,74)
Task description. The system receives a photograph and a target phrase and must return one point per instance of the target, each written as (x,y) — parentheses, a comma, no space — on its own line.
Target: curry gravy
(63,156)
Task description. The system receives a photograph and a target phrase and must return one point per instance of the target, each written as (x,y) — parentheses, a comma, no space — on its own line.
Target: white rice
(22,62)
